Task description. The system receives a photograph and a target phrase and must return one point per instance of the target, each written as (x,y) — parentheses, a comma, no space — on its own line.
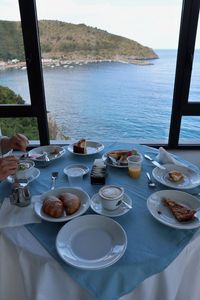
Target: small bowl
(111,196)
(25,169)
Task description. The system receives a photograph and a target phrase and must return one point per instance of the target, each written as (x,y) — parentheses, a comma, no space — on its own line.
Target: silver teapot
(20,195)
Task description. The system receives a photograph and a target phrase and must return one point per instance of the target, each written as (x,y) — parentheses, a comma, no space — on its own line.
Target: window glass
(194,94)
(27,126)
(190,128)
(13,73)
(108,66)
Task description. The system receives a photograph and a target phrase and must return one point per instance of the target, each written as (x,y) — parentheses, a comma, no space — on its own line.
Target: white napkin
(12,215)
(165,157)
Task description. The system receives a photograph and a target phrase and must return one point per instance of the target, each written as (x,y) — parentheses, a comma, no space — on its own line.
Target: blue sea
(112,101)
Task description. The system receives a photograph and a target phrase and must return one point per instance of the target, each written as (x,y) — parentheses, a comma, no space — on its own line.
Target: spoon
(54,176)
(150,182)
(125,203)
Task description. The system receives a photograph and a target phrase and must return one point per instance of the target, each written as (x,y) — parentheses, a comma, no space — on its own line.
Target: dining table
(159,262)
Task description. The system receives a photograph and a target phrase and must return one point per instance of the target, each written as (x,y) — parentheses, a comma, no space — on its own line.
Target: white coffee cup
(110,196)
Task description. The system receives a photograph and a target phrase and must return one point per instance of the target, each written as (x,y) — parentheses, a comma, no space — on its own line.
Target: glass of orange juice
(135,165)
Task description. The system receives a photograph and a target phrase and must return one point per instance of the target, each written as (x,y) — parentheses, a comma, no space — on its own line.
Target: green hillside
(60,40)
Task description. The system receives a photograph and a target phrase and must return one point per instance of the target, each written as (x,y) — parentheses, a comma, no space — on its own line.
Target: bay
(112,101)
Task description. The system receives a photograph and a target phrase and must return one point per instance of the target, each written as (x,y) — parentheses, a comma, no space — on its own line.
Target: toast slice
(180,212)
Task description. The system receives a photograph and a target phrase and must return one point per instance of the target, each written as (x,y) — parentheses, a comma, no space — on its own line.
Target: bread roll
(53,207)
(71,202)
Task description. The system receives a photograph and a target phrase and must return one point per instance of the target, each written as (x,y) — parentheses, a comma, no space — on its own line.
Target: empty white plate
(91,242)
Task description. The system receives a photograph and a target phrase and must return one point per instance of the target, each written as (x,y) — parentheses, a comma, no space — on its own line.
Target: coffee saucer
(95,204)
(36,174)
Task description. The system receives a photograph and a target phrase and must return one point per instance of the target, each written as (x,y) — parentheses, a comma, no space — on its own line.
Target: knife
(155,163)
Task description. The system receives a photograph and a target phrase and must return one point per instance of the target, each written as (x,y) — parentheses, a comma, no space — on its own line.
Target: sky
(153,23)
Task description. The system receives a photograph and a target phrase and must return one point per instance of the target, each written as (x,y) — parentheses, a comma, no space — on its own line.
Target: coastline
(52,63)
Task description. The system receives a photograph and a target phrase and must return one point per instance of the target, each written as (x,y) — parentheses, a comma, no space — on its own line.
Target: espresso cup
(111,196)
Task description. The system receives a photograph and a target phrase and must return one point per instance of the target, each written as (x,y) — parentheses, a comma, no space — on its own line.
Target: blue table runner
(151,247)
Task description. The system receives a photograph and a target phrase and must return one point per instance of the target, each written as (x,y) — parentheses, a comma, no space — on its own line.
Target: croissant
(71,202)
(53,207)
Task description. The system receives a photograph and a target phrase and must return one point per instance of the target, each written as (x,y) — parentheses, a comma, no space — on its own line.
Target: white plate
(91,242)
(96,206)
(35,153)
(36,174)
(109,162)
(83,167)
(162,213)
(191,177)
(92,148)
(83,196)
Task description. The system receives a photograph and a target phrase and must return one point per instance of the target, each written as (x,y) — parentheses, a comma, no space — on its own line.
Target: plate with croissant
(62,204)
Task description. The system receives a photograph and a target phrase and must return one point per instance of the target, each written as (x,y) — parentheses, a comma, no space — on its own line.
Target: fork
(54,176)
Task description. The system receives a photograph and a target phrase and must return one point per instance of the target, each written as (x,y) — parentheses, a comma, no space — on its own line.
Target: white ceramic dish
(83,167)
(92,148)
(25,169)
(83,196)
(95,204)
(91,242)
(162,213)
(191,177)
(53,152)
(111,196)
(112,162)
(34,175)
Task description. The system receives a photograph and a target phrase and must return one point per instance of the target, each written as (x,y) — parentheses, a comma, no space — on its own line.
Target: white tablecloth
(28,272)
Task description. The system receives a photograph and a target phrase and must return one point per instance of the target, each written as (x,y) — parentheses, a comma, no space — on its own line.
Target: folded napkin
(12,215)
(165,157)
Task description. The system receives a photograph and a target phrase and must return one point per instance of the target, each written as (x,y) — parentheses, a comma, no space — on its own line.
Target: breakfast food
(98,172)
(55,151)
(175,176)
(119,157)
(53,207)
(80,147)
(71,202)
(180,212)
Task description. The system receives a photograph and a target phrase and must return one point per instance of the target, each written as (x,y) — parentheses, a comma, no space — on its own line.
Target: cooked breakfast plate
(83,196)
(118,158)
(158,209)
(91,242)
(90,148)
(187,179)
(46,154)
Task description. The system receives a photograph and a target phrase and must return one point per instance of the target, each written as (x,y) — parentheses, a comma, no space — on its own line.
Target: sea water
(109,101)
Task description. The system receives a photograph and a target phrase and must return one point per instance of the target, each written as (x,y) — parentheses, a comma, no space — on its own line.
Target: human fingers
(8,167)
(10,158)
(19,142)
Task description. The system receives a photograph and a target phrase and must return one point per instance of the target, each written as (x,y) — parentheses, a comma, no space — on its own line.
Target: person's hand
(18,142)
(8,166)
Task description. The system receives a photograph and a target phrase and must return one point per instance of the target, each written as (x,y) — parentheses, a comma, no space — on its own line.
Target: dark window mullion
(34,69)
(187,36)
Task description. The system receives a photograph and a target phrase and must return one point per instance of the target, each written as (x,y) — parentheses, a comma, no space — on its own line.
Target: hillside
(60,40)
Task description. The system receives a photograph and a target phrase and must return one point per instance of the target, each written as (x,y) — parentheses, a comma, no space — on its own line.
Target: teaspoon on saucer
(125,203)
